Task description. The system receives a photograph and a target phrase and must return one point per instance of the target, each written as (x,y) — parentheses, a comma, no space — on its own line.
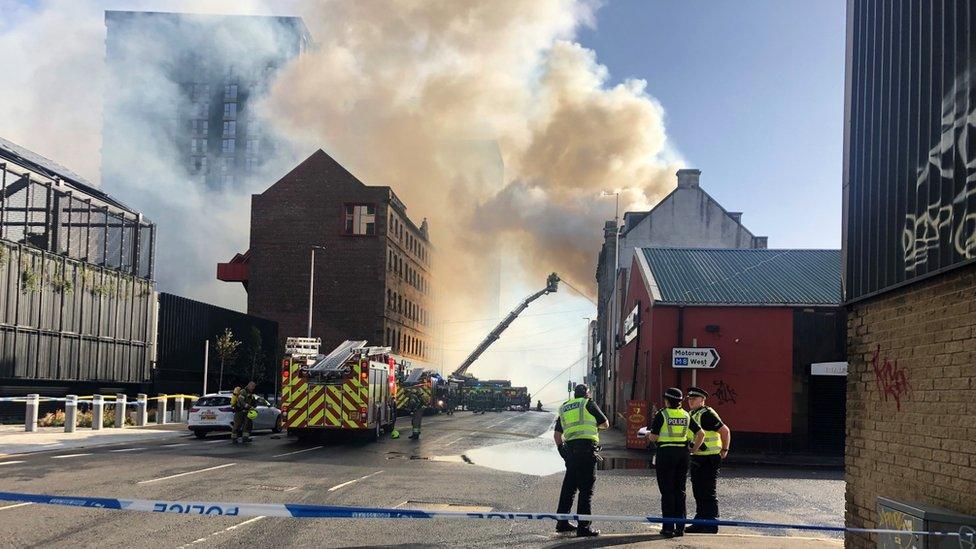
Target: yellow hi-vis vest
(675,431)
(713,441)
(577,422)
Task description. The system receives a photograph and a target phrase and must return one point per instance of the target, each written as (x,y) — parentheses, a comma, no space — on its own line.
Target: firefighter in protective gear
(417,415)
(577,436)
(706,462)
(673,429)
(245,403)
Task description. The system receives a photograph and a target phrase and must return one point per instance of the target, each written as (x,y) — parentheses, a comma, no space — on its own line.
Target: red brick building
(770,315)
(372,273)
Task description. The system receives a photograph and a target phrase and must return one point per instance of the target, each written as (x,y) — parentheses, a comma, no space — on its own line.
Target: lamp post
(311,287)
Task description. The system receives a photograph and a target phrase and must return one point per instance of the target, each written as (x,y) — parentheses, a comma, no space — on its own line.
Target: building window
(230,111)
(230,128)
(227,179)
(199,127)
(227,146)
(198,146)
(230,92)
(253,146)
(199,110)
(199,163)
(360,219)
(250,164)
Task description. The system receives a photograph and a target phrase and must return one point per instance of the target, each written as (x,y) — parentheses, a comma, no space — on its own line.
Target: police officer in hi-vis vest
(706,462)
(577,437)
(673,429)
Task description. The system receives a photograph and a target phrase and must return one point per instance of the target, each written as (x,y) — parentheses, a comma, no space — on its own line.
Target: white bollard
(120,411)
(70,413)
(178,410)
(141,411)
(30,421)
(161,410)
(98,412)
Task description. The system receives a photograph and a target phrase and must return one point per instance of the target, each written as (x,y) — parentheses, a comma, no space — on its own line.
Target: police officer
(672,430)
(246,401)
(706,462)
(577,436)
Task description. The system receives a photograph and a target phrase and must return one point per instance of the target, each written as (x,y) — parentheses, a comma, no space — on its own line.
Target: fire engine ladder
(552,284)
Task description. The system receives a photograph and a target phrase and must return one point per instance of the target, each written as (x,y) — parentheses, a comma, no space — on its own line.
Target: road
(508,464)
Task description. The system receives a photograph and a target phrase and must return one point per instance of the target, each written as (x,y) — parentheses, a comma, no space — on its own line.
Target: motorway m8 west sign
(705,358)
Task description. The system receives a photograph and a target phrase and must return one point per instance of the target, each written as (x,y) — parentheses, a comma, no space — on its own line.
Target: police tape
(305,511)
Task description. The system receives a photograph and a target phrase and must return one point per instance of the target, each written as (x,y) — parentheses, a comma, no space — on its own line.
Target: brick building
(909,251)
(372,273)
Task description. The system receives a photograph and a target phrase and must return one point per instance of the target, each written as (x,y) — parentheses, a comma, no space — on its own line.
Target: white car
(211,413)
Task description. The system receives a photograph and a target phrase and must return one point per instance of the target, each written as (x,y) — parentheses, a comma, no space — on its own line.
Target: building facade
(373,264)
(909,249)
(191,92)
(687,217)
(771,315)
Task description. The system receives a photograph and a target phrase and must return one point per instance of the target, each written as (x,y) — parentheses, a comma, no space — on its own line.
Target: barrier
(32,403)
(309,511)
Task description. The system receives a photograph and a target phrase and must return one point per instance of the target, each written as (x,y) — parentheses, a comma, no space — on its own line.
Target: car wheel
(199,433)
(279,425)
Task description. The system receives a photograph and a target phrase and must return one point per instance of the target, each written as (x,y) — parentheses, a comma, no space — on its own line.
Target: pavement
(501,462)
(14,440)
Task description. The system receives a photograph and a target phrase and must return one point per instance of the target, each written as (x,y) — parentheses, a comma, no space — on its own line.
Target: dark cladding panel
(911,158)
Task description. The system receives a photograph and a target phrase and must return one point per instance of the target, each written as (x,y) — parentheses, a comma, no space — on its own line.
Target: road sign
(694,357)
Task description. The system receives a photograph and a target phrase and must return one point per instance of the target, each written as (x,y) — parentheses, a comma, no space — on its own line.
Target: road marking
(175,445)
(70,456)
(298,451)
(459,439)
(215,441)
(186,473)
(229,529)
(337,486)
(16,505)
(10,462)
(128,449)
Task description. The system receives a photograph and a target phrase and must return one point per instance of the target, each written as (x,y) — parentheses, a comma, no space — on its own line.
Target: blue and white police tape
(300,510)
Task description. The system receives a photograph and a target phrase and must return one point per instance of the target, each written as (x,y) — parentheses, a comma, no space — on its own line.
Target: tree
(256,369)
(226,348)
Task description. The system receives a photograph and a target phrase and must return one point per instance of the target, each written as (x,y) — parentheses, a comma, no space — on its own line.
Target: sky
(753,95)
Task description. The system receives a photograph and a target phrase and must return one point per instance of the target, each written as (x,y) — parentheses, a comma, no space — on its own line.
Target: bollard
(70,413)
(120,410)
(30,421)
(98,412)
(141,411)
(178,410)
(161,410)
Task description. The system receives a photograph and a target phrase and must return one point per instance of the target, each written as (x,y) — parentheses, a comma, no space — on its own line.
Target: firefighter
(245,410)
(538,406)
(417,416)
(672,430)
(706,462)
(577,437)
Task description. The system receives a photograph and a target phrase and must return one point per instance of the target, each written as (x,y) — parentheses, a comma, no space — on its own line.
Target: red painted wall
(752,386)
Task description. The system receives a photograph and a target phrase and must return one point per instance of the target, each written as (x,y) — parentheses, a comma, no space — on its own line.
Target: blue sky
(753,92)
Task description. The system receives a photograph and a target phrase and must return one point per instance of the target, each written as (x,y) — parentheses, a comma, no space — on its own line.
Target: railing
(98,403)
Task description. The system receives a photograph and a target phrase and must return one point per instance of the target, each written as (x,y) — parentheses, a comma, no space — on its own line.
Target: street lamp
(311,287)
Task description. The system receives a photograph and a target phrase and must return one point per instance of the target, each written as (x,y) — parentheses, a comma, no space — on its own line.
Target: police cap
(674,393)
(697,392)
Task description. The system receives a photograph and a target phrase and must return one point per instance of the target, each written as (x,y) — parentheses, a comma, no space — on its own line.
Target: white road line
(337,486)
(10,462)
(70,456)
(229,529)
(298,451)
(128,449)
(16,505)
(215,441)
(186,473)
(459,439)
(175,445)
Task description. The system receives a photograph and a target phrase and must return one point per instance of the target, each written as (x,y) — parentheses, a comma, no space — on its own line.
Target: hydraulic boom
(552,284)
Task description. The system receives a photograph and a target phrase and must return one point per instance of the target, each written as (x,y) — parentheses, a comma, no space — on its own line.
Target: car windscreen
(213,401)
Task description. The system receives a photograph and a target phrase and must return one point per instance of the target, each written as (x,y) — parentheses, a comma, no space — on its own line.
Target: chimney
(608,230)
(760,242)
(688,178)
(736,216)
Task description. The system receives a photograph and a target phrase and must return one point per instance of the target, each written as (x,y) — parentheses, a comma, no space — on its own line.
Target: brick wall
(911,399)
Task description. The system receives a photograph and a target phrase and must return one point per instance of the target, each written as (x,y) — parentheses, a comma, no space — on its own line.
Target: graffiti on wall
(945,221)
(724,392)
(891,380)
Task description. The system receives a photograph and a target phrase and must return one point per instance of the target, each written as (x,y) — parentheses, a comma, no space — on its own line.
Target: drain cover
(435,506)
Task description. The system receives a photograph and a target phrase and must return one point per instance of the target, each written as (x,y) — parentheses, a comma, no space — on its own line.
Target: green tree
(226,348)
(256,363)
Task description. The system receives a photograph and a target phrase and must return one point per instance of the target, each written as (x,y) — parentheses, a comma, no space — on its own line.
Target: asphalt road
(508,464)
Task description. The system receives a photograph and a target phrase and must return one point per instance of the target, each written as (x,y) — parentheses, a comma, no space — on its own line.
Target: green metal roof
(743,276)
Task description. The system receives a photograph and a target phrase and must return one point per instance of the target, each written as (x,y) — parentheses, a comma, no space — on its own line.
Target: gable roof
(761,277)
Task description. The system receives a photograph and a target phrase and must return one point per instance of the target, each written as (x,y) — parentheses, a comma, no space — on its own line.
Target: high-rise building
(182,86)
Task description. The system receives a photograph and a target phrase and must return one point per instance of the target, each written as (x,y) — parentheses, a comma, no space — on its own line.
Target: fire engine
(351,389)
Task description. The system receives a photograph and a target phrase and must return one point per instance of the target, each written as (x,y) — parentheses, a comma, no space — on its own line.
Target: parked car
(212,413)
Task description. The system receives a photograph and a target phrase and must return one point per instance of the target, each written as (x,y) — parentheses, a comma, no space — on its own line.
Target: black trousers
(580,477)
(672,474)
(704,474)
